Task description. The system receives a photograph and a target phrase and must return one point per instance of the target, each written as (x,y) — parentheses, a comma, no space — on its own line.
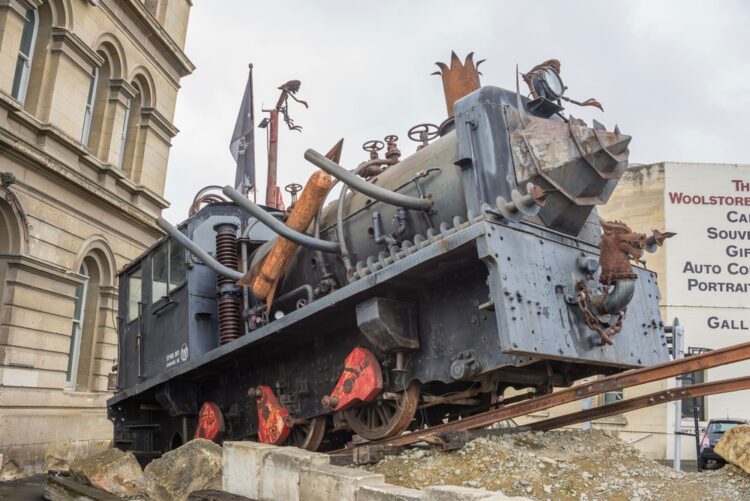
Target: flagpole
(245,188)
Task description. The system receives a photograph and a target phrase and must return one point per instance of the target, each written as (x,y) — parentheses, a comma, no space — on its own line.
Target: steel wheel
(308,435)
(384,418)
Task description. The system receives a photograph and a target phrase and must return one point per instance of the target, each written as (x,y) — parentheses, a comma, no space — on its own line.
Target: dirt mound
(561,465)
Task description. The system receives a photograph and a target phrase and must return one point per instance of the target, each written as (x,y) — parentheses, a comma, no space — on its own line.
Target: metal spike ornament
(459,79)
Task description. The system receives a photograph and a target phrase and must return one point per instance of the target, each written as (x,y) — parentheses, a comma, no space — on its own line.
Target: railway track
(634,377)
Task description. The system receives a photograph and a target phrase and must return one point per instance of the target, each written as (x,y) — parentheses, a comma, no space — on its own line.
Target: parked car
(714,431)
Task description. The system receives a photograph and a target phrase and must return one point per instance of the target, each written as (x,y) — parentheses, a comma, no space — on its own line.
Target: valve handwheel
(392,138)
(423,132)
(373,146)
(293,188)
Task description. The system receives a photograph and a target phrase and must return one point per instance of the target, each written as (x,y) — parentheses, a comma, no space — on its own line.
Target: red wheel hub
(210,423)
(274,422)
(361,381)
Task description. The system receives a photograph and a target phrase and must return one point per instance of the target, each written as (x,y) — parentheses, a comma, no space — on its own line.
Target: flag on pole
(242,145)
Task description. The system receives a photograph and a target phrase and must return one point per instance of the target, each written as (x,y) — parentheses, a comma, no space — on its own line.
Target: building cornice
(44,130)
(156,33)
(154,120)
(31,154)
(43,268)
(70,44)
(19,6)
(120,91)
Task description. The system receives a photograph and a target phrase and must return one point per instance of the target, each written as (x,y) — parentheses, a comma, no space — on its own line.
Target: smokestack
(458,80)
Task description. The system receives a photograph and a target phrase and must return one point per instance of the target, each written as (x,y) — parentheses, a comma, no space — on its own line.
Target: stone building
(87,98)
(704,279)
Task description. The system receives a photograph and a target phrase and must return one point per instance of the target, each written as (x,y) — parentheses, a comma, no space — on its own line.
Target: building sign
(708,265)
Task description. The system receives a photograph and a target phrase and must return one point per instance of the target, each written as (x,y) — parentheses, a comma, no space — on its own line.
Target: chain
(583,299)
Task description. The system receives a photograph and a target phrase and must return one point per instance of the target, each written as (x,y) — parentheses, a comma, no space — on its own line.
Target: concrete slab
(280,473)
(387,492)
(243,462)
(455,493)
(328,482)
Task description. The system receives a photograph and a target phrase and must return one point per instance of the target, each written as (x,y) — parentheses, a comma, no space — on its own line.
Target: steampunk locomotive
(430,286)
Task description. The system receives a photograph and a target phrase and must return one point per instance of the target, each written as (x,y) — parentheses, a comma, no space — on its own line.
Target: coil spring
(226,249)
(230,326)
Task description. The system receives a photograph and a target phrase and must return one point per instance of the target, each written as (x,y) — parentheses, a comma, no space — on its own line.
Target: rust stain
(460,79)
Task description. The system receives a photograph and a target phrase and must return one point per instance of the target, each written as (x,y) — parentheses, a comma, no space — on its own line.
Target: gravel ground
(561,465)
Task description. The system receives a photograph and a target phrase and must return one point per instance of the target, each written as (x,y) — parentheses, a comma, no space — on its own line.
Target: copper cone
(459,79)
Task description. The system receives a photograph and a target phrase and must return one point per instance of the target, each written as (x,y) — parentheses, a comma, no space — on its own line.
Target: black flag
(242,145)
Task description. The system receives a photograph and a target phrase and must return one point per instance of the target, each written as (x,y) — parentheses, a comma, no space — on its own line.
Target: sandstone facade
(87,98)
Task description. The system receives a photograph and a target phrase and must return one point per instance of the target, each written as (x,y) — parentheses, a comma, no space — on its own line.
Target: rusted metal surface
(204,197)
(307,434)
(715,358)
(392,153)
(581,164)
(293,189)
(459,79)
(210,423)
(536,73)
(384,417)
(288,89)
(274,422)
(273,156)
(423,134)
(264,281)
(586,305)
(619,245)
(631,404)
(527,77)
(360,381)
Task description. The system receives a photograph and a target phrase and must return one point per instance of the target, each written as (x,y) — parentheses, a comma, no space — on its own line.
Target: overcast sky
(673,74)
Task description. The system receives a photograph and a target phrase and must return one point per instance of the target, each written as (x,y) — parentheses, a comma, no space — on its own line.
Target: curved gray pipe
(617,299)
(197,251)
(358,184)
(277,226)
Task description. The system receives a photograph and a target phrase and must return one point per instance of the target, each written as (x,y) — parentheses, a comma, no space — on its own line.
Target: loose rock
(195,466)
(734,446)
(113,471)
(562,465)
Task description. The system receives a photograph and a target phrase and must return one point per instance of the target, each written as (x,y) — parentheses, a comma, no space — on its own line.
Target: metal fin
(598,126)
(519,103)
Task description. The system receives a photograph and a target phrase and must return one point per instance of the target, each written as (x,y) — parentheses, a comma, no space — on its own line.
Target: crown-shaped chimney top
(459,79)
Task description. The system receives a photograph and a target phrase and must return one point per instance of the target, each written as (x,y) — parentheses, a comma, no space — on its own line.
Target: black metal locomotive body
(472,296)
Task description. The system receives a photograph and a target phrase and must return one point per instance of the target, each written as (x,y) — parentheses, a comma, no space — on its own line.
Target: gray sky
(673,74)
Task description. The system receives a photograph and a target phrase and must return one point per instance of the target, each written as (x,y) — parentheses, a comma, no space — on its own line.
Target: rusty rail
(631,404)
(634,377)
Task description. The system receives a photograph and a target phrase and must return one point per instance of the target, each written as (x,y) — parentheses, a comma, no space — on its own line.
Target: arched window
(10,241)
(133,138)
(77,331)
(89,111)
(90,321)
(25,55)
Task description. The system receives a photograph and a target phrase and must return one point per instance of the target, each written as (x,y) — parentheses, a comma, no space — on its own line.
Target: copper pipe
(275,262)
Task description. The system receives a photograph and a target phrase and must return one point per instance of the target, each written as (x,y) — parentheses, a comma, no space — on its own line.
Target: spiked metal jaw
(459,79)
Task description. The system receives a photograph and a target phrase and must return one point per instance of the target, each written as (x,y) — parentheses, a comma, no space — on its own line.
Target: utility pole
(678,350)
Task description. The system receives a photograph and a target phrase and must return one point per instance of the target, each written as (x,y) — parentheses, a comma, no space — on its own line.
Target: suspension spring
(230,325)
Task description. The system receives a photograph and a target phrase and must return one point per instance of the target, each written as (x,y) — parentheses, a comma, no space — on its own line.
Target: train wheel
(384,418)
(308,435)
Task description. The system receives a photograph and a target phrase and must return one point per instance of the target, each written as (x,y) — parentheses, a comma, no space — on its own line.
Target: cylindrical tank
(430,172)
